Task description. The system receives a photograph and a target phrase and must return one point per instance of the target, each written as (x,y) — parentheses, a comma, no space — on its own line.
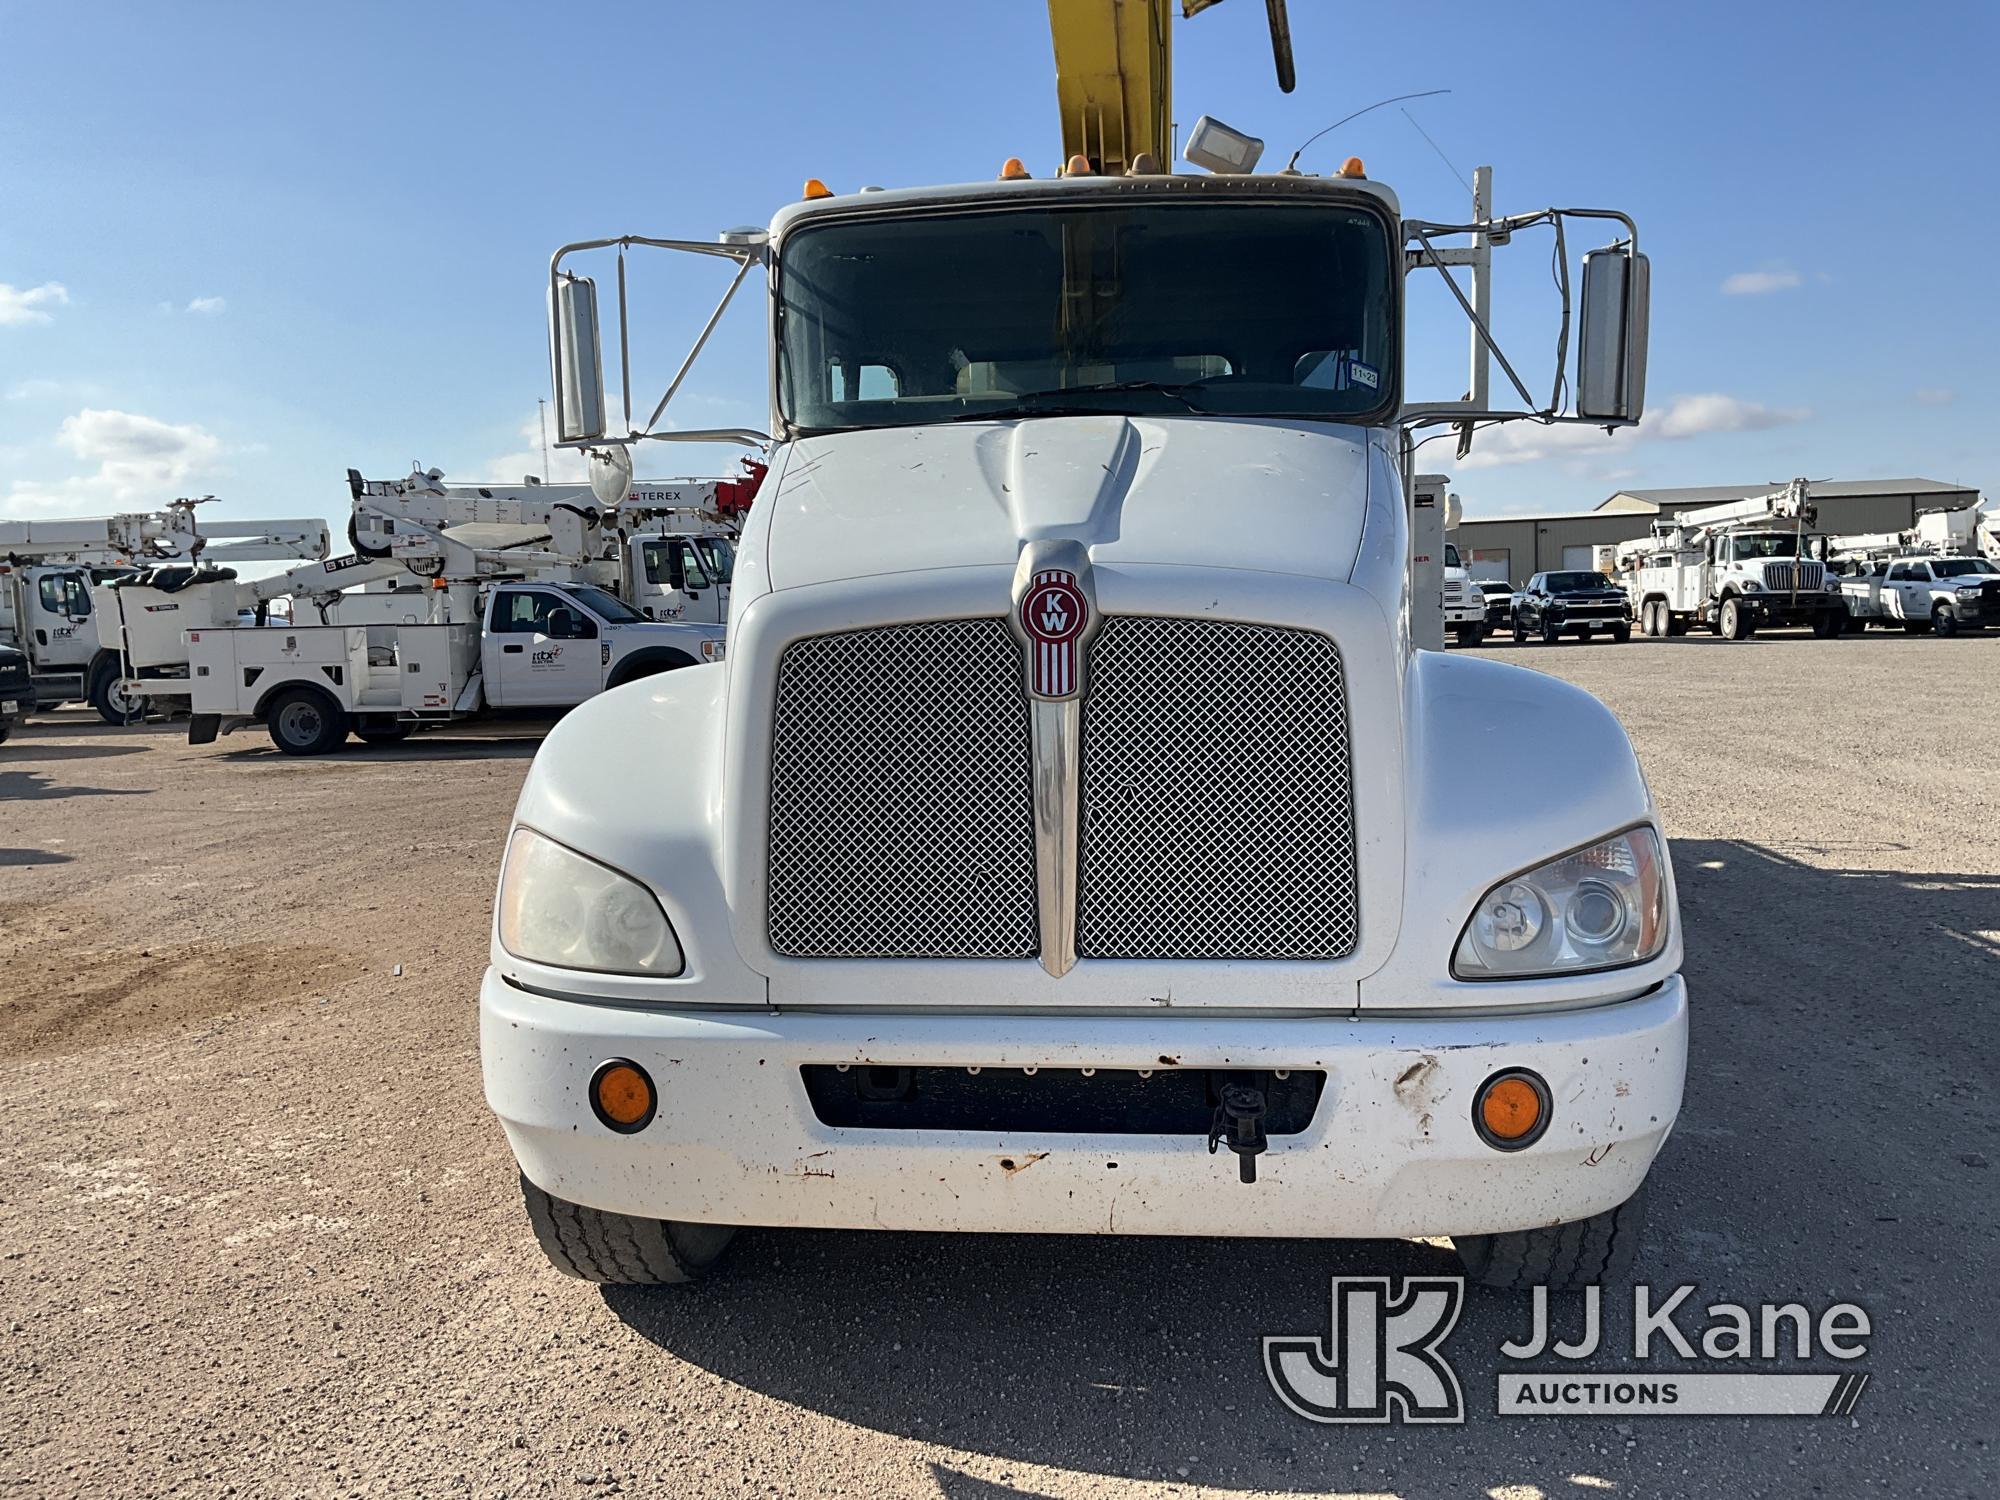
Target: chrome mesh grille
(902,817)
(1218,816)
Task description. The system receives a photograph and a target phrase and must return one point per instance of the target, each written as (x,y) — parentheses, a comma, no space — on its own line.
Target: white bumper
(1390,1152)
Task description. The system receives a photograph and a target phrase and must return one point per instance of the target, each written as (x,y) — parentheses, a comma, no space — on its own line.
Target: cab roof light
(816,189)
(1079,166)
(1352,168)
(1012,170)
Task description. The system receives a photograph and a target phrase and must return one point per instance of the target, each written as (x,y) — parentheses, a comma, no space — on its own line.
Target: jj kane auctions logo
(1382,1358)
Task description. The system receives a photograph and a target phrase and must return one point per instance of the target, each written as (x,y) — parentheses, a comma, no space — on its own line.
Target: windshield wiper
(1031,403)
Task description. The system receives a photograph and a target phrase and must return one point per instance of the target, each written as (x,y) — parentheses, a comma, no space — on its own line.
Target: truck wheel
(305,721)
(113,706)
(1562,1257)
(1520,634)
(1621,633)
(1469,635)
(619,1250)
(1827,625)
(1944,620)
(1551,634)
(6,728)
(1733,623)
(1676,624)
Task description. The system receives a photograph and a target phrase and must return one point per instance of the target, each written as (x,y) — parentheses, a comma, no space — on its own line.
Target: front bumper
(1390,1152)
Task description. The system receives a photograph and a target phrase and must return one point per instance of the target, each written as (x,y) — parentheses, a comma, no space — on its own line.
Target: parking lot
(258,1234)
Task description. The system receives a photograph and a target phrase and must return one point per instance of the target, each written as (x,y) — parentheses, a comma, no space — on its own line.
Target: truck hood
(1253,493)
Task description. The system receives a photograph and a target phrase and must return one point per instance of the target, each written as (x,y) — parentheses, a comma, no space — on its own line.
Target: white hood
(1248,493)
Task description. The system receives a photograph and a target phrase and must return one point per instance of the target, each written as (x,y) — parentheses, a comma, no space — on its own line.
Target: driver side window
(524,612)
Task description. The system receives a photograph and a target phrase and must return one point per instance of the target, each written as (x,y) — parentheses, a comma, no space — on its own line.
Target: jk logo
(1379,1361)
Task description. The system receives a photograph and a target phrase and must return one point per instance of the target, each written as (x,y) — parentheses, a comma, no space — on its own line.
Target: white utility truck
(50,569)
(537,645)
(1040,841)
(1918,588)
(668,549)
(1734,567)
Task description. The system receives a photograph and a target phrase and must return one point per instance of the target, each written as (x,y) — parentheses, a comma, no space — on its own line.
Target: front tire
(1563,1257)
(618,1249)
(1621,633)
(1551,634)
(1733,623)
(305,721)
(113,706)
(1944,620)
(1469,635)
(1827,625)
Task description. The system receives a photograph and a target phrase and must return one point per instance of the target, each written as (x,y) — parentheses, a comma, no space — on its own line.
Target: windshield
(1218,308)
(1764,544)
(609,607)
(1577,583)
(1961,567)
(718,557)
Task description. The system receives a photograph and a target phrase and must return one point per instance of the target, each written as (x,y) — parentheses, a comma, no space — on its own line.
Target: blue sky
(244,247)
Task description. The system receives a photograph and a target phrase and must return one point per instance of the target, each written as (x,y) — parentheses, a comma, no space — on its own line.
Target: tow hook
(1239,1120)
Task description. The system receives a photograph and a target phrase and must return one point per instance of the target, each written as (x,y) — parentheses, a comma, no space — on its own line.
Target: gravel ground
(258,1235)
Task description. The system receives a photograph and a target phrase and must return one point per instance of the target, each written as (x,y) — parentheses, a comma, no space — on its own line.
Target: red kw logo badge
(1053,614)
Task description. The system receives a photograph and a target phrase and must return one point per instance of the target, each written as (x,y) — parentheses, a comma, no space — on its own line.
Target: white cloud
(208,306)
(29,304)
(1678,418)
(1757,283)
(565,465)
(1936,395)
(137,461)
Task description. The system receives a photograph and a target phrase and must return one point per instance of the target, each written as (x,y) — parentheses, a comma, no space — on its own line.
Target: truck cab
(555,644)
(1039,838)
(1464,601)
(46,612)
(683,577)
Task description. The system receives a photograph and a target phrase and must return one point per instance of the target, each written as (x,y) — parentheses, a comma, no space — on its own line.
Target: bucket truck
(48,570)
(1734,567)
(1929,577)
(1045,856)
(523,614)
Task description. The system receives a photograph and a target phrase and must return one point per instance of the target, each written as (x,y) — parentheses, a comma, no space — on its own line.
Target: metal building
(1513,547)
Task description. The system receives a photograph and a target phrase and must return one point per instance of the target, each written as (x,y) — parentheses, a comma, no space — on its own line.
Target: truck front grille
(1216,795)
(1778,575)
(1218,817)
(902,817)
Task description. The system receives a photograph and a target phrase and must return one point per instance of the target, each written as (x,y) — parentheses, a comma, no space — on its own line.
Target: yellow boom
(1114,76)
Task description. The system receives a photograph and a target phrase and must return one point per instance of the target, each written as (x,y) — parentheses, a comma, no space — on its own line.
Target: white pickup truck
(536,645)
(1944,594)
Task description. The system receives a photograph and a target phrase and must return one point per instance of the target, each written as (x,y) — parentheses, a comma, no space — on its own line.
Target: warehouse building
(1513,547)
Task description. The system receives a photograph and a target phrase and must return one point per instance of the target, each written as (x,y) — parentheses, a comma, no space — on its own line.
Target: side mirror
(1611,344)
(578,360)
(563,625)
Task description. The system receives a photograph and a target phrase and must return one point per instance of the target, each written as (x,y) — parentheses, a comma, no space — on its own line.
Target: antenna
(1292,165)
(542,412)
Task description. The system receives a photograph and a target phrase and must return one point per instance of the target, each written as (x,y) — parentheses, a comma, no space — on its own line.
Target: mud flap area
(203,728)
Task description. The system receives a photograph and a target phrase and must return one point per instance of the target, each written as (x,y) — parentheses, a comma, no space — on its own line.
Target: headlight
(557,907)
(1752,586)
(712,650)
(1968,593)
(1598,908)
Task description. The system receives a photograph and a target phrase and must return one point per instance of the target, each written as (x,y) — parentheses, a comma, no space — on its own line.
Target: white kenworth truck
(1046,858)
(1735,567)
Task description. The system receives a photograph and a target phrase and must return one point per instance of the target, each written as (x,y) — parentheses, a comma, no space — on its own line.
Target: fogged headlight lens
(557,907)
(1597,908)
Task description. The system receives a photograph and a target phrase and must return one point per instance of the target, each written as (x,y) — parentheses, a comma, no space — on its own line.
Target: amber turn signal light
(622,1097)
(1511,1109)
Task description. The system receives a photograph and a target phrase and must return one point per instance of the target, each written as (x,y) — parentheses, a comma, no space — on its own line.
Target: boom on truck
(530,605)
(1037,821)
(49,569)
(1735,567)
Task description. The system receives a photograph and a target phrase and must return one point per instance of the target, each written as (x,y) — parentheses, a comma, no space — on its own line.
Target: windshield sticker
(1363,374)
